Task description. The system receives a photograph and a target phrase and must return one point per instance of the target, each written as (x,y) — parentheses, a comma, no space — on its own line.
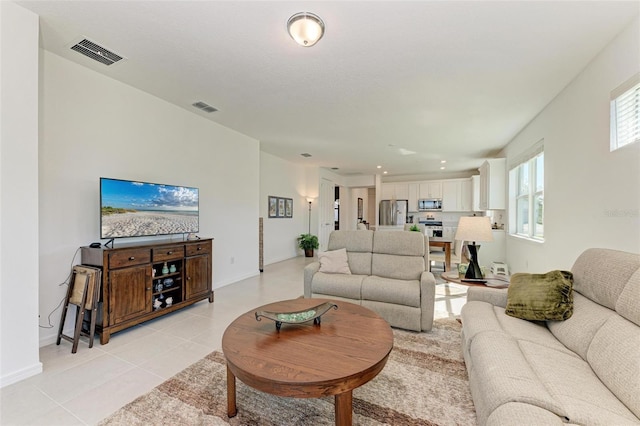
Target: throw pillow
(334,262)
(541,297)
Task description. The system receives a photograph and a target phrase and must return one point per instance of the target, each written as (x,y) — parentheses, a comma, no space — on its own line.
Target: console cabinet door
(197,276)
(130,293)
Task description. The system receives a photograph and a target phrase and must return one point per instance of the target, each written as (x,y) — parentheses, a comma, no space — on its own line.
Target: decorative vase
(165,268)
(172,268)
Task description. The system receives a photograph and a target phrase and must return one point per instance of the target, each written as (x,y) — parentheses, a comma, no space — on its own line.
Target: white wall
(93,126)
(592,196)
(281,178)
(19,356)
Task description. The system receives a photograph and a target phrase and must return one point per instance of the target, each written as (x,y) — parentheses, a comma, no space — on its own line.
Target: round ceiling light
(305,28)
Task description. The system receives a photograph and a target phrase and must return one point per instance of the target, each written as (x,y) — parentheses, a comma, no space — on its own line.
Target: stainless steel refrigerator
(393,212)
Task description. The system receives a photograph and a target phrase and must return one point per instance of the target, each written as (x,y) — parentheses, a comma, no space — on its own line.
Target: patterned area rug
(424,383)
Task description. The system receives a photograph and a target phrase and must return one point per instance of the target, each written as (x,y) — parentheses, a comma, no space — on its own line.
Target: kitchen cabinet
(146,280)
(430,189)
(413,189)
(395,191)
(493,184)
(456,195)
(475,193)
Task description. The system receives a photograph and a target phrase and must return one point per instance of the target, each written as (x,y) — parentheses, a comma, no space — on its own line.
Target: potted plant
(308,242)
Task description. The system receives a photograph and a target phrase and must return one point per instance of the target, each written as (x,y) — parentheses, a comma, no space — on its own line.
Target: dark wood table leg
(447,257)
(232,410)
(344,408)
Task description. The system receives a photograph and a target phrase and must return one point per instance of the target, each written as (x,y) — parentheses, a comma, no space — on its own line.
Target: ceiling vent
(306,155)
(96,52)
(205,107)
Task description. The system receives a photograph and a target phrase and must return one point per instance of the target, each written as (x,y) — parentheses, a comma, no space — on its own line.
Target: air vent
(203,106)
(96,52)
(306,155)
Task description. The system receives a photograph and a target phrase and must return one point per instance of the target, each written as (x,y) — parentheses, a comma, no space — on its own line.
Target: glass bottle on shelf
(172,268)
(165,268)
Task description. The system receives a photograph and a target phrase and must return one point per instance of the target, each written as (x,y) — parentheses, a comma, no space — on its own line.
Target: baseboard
(51,339)
(218,284)
(17,376)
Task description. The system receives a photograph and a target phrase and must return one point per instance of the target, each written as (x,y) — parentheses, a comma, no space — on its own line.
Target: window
(526,182)
(625,113)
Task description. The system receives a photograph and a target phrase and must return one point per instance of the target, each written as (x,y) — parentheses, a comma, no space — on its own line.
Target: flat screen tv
(142,209)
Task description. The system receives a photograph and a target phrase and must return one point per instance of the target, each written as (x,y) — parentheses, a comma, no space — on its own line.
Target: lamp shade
(474,228)
(305,28)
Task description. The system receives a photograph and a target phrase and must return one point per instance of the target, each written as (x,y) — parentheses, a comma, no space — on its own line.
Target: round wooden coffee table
(347,349)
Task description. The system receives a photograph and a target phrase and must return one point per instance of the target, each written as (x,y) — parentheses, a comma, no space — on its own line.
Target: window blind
(625,113)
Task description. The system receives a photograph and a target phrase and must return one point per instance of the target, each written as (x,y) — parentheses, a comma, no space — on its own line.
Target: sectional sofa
(388,273)
(584,370)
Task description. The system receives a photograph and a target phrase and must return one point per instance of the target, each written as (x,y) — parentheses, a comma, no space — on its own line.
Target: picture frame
(273,206)
(288,207)
(280,207)
(360,208)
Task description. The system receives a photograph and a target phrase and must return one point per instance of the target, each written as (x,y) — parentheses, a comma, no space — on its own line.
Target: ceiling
(403,85)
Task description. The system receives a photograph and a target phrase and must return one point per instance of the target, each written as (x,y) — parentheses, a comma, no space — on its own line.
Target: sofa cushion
(501,373)
(359,245)
(397,267)
(400,292)
(338,285)
(540,297)
(602,274)
(574,386)
(399,243)
(334,262)
(614,355)
(577,332)
(628,304)
(354,241)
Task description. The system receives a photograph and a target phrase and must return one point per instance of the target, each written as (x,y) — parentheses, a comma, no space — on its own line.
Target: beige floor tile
(176,360)
(91,407)
(82,378)
(147,347)
(58,416)
(24,405)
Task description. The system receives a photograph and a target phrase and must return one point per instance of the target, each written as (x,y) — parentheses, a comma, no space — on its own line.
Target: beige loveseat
(389,275)
(584,370)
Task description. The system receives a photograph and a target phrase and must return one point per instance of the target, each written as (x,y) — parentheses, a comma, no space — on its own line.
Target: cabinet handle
(199,248)
(169,252)
(148,288)
(188,278)
(132,258)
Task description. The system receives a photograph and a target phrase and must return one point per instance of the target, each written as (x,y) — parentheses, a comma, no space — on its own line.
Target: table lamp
(474,228)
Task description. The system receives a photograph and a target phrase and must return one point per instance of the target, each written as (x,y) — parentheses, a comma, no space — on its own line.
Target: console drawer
(122,258)
(195,249)
(162,254)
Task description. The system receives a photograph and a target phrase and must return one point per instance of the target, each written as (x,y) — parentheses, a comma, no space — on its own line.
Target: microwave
(430,204)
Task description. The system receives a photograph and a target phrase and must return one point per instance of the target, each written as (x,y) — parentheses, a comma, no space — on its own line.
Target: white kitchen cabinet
(493,184)
(456,195)
(475,193)
(430,189)
(413,197)
(395,191)
(402,191)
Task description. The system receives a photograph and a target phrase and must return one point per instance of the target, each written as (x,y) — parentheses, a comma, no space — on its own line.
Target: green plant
(415,228)
(308,241)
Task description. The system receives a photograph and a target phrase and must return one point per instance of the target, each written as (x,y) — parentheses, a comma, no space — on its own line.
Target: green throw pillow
(541,297)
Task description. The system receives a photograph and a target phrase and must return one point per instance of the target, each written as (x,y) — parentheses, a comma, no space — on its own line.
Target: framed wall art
(280,207)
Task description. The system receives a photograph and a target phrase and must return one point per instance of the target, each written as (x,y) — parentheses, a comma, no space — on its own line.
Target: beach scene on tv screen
(135,209)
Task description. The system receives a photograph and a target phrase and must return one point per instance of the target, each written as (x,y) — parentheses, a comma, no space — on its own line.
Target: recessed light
(443,161)
(379,167)
(442,168)
(385,172)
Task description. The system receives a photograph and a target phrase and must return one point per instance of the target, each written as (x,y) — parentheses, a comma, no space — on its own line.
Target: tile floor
(83,388)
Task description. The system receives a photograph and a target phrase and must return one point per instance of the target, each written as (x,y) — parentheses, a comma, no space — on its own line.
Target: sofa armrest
(494,296)
(427,300)
(309,271)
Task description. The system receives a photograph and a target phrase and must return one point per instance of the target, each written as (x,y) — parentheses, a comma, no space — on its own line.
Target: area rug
(424,383)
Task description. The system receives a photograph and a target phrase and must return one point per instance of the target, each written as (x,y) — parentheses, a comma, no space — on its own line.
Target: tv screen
(141,209)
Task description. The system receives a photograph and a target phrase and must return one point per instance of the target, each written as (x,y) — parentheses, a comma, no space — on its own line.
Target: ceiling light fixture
(305,28)
(443,161)
(379,167)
